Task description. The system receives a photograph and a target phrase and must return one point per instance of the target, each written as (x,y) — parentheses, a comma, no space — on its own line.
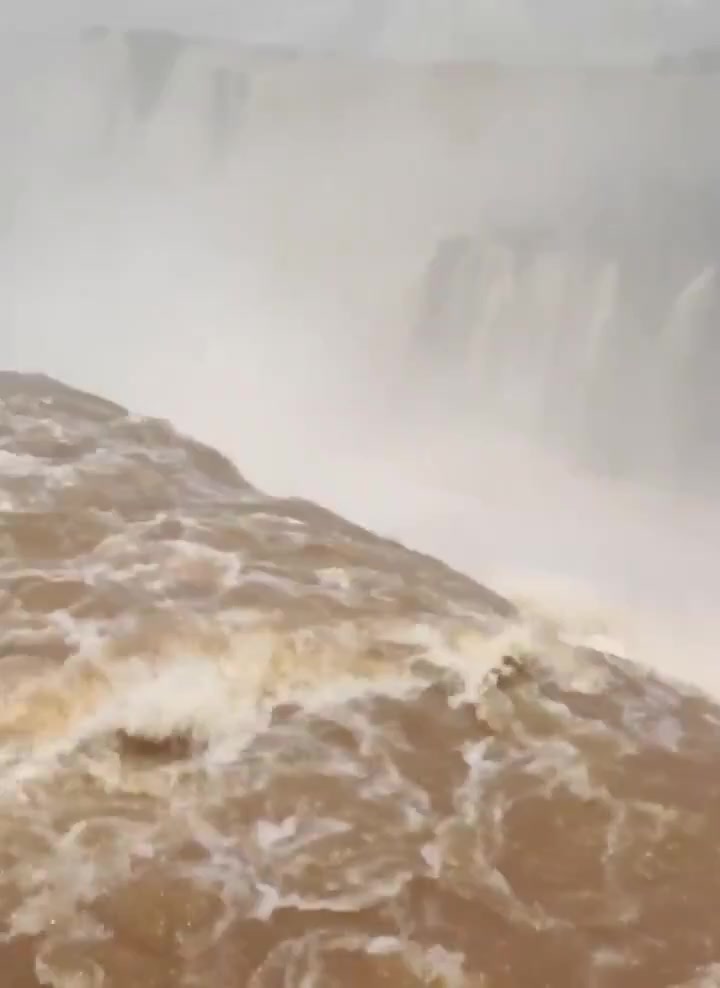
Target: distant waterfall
(540,248)
(616,356)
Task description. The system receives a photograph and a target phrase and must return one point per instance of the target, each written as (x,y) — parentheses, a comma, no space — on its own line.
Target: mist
(472,306)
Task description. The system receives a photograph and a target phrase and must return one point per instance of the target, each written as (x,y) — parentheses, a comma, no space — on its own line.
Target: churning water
(244,742)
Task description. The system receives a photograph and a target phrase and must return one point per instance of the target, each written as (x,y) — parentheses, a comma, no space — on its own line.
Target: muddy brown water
(245,743)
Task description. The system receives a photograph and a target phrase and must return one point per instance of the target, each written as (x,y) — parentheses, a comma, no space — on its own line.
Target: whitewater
(464,737)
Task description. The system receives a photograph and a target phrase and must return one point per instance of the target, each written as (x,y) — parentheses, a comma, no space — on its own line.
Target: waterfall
(537,247)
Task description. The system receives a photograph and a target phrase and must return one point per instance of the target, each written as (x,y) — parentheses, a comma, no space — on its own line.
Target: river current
(246,743)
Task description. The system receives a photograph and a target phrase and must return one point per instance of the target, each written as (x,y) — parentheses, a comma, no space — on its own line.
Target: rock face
(243,742)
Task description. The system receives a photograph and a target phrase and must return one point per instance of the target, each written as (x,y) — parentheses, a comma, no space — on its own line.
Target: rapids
(243,742)
(459,739)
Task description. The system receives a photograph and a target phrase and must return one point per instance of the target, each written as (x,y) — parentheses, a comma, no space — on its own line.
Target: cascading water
(553,236)
(613,356)
(245,743)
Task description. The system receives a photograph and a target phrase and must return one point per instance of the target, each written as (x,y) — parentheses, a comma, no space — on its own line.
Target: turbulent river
(244,742)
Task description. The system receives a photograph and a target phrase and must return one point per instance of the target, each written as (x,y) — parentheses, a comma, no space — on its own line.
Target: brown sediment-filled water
(245,743)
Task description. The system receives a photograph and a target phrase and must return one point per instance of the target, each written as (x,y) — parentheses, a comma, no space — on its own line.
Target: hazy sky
(576,29)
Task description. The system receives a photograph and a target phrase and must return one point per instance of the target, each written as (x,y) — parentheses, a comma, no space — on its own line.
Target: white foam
(626,571)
